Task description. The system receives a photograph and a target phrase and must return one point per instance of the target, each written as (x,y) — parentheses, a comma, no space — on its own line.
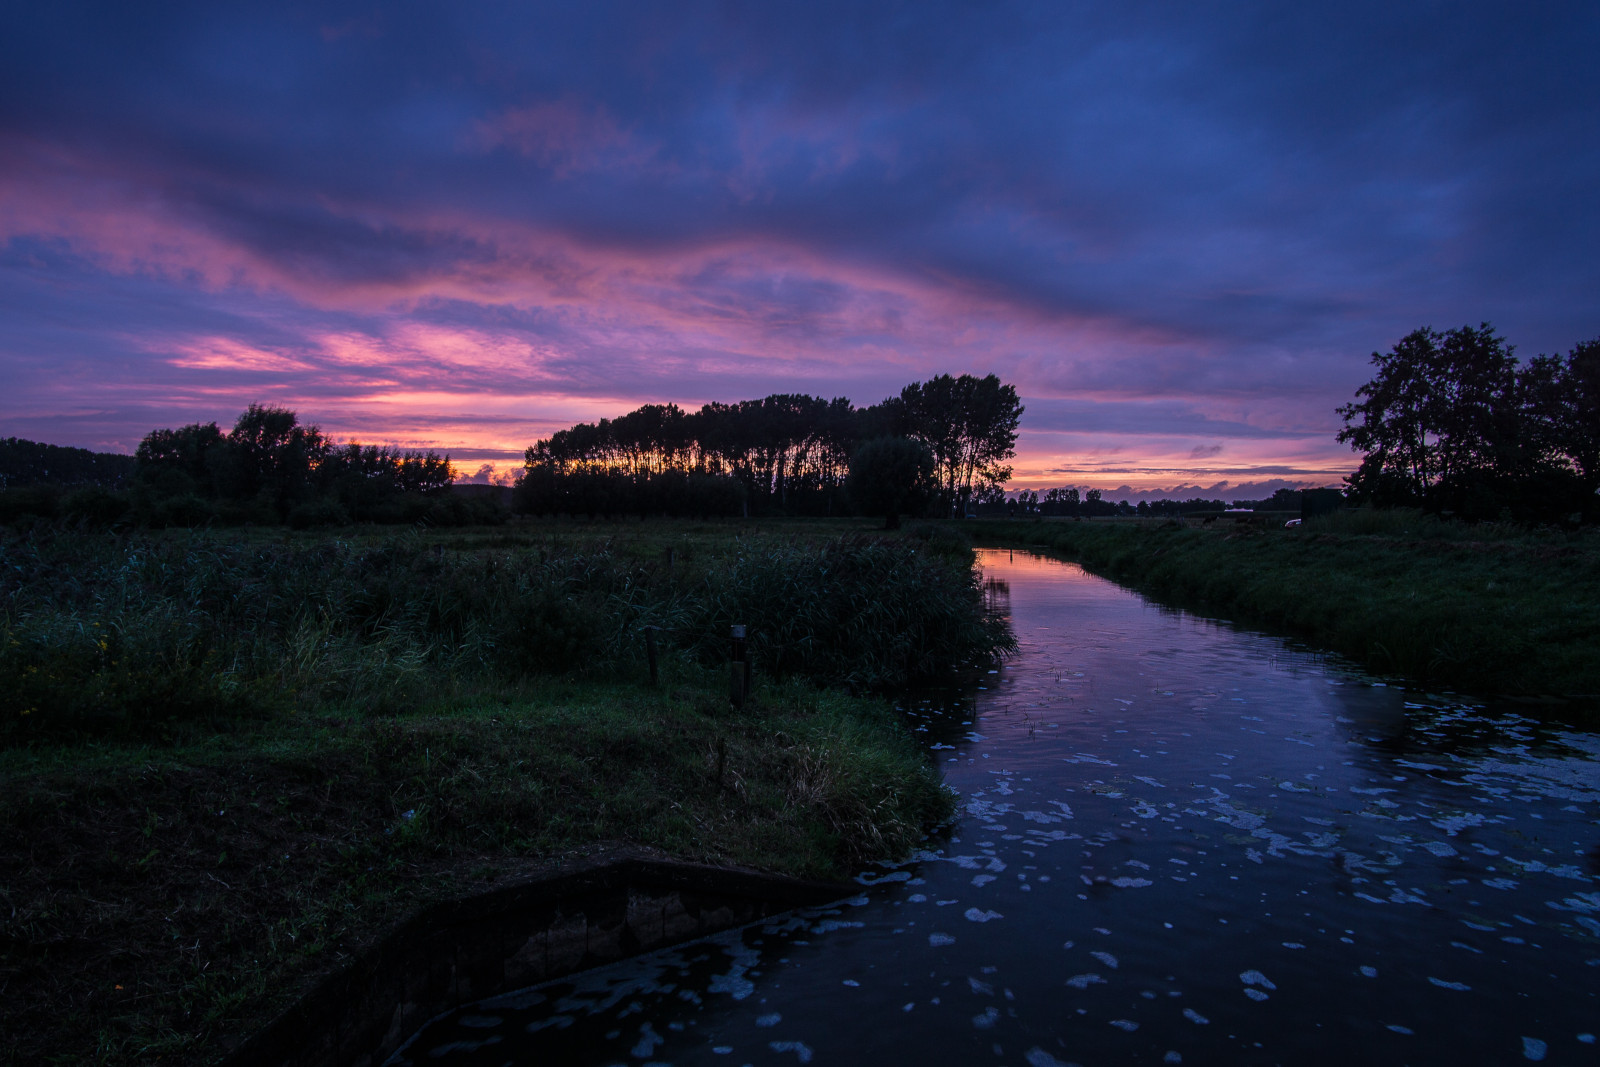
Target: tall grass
(228,759)
(109,635)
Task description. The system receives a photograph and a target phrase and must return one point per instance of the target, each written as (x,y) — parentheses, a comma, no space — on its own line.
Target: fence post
(738,669)
(650,650)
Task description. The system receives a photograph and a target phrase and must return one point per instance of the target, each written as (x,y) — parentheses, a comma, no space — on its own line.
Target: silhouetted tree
(970,426)
(270,468)
(24,462)
(1451,422)
(891,476)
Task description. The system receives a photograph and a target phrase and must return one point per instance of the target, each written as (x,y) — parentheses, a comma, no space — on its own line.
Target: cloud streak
(1178,233)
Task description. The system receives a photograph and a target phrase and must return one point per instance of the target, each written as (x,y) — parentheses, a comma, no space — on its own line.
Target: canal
(1179,842)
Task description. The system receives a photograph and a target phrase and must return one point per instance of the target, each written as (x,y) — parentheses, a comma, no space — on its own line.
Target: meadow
(1480,608)
(228,760)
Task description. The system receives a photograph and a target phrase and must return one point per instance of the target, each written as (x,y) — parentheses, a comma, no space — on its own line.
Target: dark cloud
(1153,217)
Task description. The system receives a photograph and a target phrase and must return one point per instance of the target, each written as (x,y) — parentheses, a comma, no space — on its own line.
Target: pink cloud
(566,136)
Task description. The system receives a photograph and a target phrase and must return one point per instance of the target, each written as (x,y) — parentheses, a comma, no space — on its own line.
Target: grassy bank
(230,761)
(1478,608)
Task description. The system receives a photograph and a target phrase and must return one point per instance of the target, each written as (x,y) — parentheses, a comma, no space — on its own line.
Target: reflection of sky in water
(1180,843)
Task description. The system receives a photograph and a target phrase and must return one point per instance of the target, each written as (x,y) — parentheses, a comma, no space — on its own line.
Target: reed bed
(229,760)
(133,636)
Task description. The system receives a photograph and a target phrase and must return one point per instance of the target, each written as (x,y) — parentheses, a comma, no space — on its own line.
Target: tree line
(269,468)
(785,454)
(1452,422)
(29,463)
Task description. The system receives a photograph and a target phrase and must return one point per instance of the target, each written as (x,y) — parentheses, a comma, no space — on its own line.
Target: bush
(321,512)
(94,506)
(27,504)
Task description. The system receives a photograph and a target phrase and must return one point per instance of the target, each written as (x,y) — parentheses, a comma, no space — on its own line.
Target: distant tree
(270,468)
(1572,408)
(790,452)
(1451,422)
(891,476)
(180,461)
(24,462)
(273,456)
(1437,419)
(970,426)
(1061,501)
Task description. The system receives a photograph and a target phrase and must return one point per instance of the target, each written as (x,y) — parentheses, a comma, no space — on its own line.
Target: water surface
(1179,842)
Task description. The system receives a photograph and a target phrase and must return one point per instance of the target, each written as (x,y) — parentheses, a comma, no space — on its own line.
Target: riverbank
(1480,609)
(358,726)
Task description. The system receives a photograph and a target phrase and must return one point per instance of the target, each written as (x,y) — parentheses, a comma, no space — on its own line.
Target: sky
(1180,230)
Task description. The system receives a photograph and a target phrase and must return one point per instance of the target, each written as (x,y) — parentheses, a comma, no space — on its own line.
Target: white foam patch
(801,1050)
(1038,1057)
(939,940)
(648,1040)
(866,878)
(1256,978)
(735,985)
(976,916)
(1453,824)
(1084,981)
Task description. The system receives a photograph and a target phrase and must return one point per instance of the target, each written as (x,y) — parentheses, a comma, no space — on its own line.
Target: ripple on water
(1290,819)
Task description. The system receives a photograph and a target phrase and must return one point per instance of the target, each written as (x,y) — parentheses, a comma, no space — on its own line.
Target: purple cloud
(1178,231)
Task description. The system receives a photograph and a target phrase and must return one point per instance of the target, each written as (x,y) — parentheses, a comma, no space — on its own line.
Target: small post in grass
(650,650)
(738,669)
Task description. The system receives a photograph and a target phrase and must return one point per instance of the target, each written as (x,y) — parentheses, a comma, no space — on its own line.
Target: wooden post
(738,671)
(650,650)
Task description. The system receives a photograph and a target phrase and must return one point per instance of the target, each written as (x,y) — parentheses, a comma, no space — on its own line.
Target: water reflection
(1179,842)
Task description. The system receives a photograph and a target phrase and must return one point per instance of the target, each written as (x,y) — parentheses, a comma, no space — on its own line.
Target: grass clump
(1488,608)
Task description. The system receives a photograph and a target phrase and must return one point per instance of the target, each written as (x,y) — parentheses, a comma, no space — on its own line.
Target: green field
(229,760)
(1484,609)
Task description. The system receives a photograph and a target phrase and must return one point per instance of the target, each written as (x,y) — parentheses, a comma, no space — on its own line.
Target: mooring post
(738,671)
(650,650)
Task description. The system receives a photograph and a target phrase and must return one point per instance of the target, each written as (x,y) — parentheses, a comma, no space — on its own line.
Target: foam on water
(1304,855)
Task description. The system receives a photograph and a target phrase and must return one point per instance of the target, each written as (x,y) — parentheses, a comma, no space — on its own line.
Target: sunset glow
(1180,237)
